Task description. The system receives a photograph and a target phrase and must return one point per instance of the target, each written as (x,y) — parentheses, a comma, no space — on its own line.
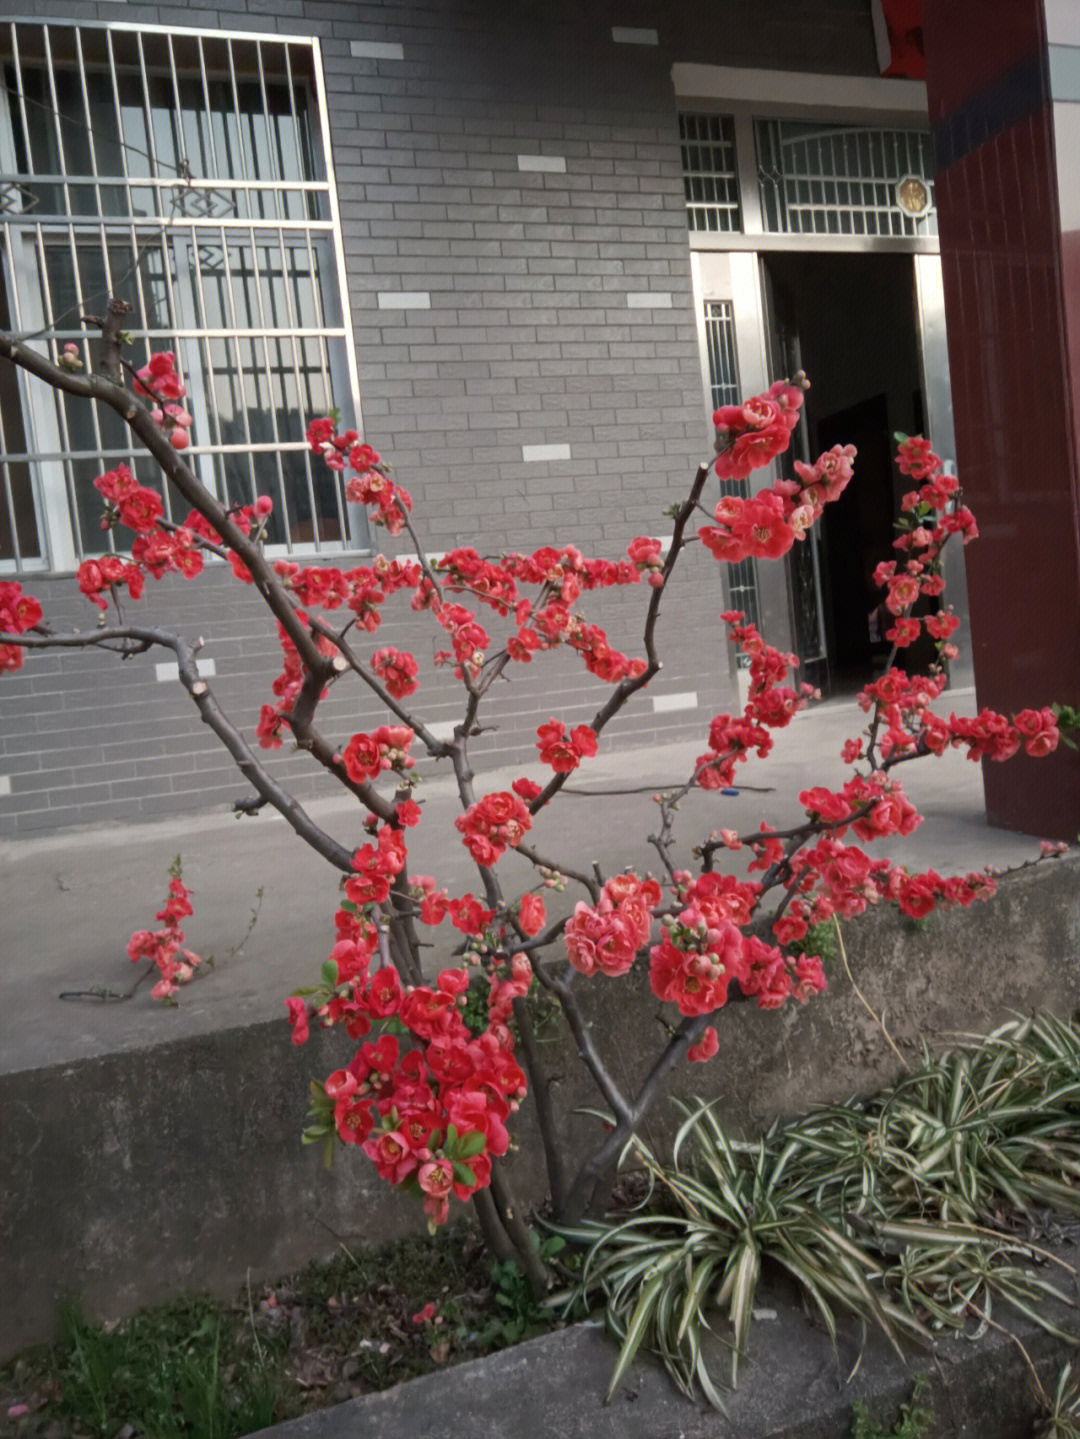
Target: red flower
(532,914)
(706,1047)
(297,1018)
(562,751)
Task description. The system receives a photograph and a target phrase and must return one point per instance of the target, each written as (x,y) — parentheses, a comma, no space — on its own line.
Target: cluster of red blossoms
(370,483)
(397,669)
(931,514)
(770,705)
(608,937)
(367,755)
(156,550)
(163,946)
(287,686)
(768,524)
(702,948)
(158,378)
(564,750)
(493,824)
(19,612)
(430,1118)
(908,724)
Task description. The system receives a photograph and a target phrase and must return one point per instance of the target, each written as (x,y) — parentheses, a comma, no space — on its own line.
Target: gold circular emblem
(913,196)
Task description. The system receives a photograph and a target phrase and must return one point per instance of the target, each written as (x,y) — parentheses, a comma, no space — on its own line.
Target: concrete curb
(791,1387)
(137,1176)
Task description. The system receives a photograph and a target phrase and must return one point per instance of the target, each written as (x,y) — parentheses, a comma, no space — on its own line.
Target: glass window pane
(183,128)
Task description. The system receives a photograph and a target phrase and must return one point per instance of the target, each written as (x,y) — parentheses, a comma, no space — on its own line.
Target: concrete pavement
(70,901)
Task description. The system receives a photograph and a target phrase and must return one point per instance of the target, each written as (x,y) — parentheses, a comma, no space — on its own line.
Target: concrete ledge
(141,1174)
(792,1386)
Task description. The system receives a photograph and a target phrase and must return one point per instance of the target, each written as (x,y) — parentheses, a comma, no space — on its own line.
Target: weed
(913,1422)
(203,1370)
(168,1373)
(1061,1416)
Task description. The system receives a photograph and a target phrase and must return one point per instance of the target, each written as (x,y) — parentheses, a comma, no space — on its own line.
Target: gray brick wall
(530,338)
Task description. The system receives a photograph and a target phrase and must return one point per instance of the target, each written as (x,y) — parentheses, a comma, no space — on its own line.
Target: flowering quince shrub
(440,1065)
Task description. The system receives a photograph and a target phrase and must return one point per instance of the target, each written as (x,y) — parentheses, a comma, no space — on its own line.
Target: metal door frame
(729,266)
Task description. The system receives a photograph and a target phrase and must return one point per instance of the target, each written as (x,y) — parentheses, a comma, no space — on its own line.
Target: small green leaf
(330,972)
(463,1174)
(475,1143)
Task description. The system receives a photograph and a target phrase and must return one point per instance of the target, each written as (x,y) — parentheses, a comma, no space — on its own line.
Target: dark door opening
(850,322)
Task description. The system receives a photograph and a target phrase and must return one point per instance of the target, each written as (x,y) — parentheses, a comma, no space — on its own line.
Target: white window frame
(178,239)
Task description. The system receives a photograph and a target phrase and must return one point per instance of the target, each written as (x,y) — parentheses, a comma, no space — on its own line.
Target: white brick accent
(668,704)
(170,670)
(649,300)
(554,164)
(375,50)
(404,300)
(442,729)
(545,452)
(627,35)
(5,784)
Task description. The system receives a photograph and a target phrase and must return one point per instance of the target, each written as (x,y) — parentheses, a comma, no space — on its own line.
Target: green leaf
(330,972)
(463,1174)
(636,1331)
(475,1143)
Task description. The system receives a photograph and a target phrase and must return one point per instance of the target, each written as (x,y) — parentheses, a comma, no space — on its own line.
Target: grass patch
(364,1320)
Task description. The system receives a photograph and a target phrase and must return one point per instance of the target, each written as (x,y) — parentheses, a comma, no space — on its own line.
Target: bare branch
(103,390)
(435,747)
(628,687)
(211,713)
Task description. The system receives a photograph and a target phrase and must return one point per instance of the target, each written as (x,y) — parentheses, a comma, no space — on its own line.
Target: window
(710,172)
(819,179)
(188,174)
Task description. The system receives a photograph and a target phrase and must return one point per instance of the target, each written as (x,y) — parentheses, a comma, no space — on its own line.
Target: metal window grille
(742,581)
(188,174)
(841,179)
(710,173)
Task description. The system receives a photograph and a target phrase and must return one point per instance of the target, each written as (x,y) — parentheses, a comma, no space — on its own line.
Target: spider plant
(914,1210)
(1062,1417)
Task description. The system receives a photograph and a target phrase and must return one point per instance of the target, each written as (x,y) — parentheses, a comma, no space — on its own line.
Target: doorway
(851,322)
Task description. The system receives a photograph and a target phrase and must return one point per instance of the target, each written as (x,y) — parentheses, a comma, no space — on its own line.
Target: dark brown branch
(496,1240)
(103,390)
(628,687)
(435,747)
(540,1082)
(211,713)
(583,1192)
(521,1236)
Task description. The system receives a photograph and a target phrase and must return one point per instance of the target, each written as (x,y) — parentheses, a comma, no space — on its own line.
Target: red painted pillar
(1003,82)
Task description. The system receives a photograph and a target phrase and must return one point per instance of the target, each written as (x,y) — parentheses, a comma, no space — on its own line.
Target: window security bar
(188,173)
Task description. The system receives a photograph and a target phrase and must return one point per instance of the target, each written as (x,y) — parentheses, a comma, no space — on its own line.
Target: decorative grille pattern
(184,173)
(841,180)
(710,173)
(742,580)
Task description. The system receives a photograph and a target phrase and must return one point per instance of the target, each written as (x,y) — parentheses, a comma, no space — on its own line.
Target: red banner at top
(899,32)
